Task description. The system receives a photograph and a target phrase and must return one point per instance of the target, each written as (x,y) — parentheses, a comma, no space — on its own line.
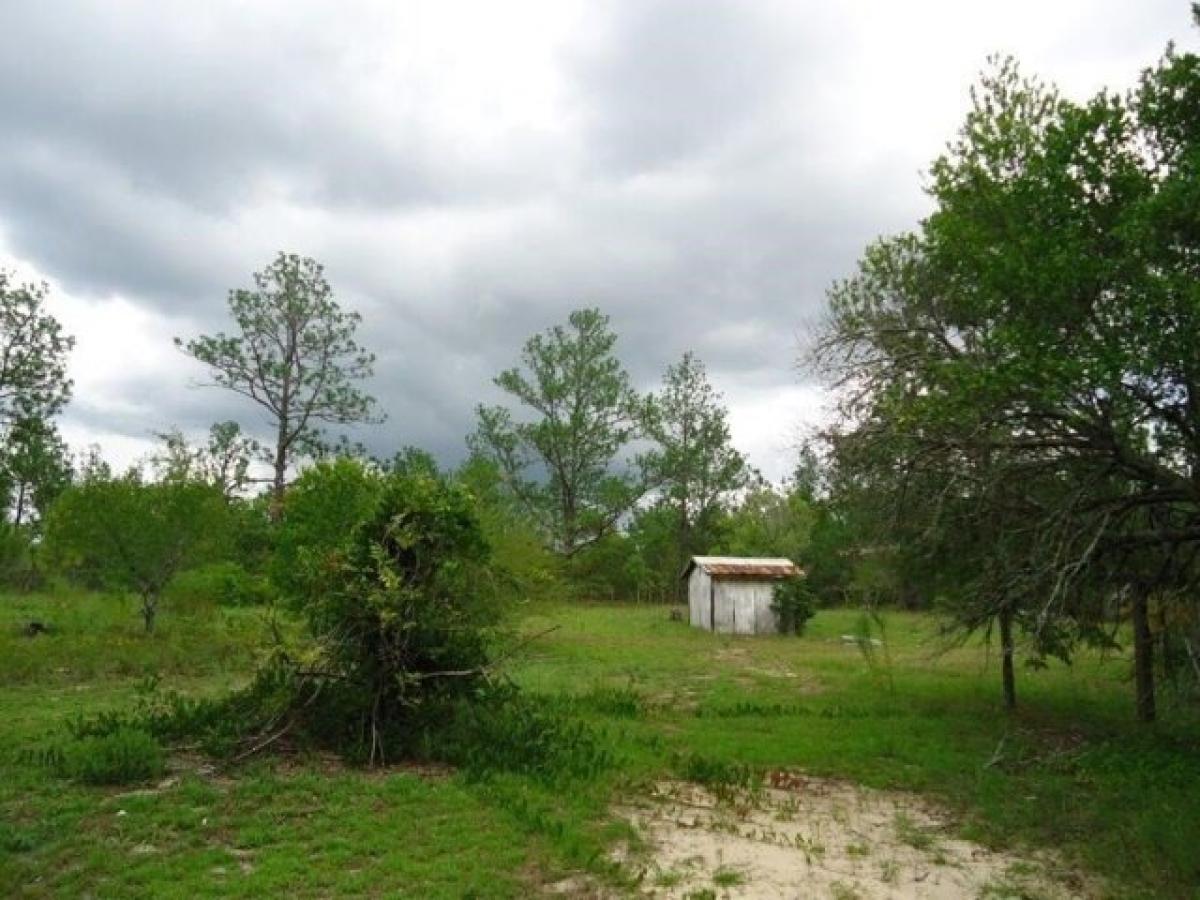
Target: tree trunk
(1143,657)
(280,480)
(149,610)
(20,510)
(1006,657)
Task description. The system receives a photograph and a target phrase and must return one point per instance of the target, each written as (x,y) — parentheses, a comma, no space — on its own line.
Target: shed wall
(699,598)
(744,606)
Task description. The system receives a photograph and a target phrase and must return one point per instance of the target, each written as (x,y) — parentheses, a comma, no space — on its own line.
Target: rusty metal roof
(744,567)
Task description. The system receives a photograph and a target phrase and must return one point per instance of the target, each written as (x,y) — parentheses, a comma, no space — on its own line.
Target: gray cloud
(699,169)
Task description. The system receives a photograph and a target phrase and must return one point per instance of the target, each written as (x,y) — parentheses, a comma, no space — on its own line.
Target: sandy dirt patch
(808,837)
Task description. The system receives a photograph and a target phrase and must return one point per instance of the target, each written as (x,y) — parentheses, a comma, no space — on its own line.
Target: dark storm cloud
(699,169)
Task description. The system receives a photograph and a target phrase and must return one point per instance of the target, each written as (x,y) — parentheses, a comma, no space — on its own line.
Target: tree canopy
(560,454)
(294,354)
(1019,376)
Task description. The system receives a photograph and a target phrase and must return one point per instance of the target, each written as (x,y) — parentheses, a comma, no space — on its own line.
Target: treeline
(586,488)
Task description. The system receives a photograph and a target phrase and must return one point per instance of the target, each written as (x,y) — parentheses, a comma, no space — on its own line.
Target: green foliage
(123,756)
(406,602)
(793,603)
(223,461)
(294,355)
(694,464)
(583,414)
(18,570)
(769,521)
(321,510)
(34,383)
(35,467)
(608,570)
(252,533)
(523,569)
(126,534)
(220,584)
(1019,374)
(504,731)
(398,621)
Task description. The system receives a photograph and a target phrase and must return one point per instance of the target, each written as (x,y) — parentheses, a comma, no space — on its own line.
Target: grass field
(1071,771)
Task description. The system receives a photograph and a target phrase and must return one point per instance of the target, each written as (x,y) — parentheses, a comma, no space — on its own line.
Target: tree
(695,464)
(562,462)
(524,569)
(33,355)
(128,534)
(295,355)
(1019,376)
(769,521)
(36,468)
(223,461)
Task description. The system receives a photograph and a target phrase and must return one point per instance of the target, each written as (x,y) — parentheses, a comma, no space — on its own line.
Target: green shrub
(793,604)
(321,510)
(399,622)
(123,756)
(222,584)
(501,730)
(17,569)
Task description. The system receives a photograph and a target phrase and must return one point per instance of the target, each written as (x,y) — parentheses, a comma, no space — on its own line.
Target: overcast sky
(470,172)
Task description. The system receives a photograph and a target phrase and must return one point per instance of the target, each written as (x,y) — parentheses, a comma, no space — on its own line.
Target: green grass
(92,637)
(1072,770)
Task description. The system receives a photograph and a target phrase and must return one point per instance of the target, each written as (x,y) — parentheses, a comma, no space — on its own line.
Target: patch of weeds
(668,878)
(614,702)
(520,735)
(747,708)
(725,779)
(908,832)
(727,878)
(889,871)
(839,890)
(16,840)
(125,756)
(858,851)
(810,846)
(1004,889)
(702,894)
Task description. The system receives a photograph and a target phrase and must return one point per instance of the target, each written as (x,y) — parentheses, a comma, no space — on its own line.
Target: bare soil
(809,837)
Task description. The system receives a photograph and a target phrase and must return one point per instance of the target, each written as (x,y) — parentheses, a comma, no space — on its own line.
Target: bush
(123,756)
(399,620)
(17,569)
(321,510)
(502,730)
(794,605)
(223,584)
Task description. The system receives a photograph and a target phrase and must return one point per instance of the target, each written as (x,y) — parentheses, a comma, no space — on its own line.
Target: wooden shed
(733,594)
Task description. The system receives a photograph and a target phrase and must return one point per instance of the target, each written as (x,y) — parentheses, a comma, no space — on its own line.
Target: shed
(733,594)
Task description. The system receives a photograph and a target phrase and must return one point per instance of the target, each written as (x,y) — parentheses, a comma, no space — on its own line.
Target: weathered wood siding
(744,606)
(699,598)
(741,606)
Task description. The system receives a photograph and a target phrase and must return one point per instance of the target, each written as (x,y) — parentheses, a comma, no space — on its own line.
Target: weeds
(727,878)
(124,756)
(723,778)
(908,832)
